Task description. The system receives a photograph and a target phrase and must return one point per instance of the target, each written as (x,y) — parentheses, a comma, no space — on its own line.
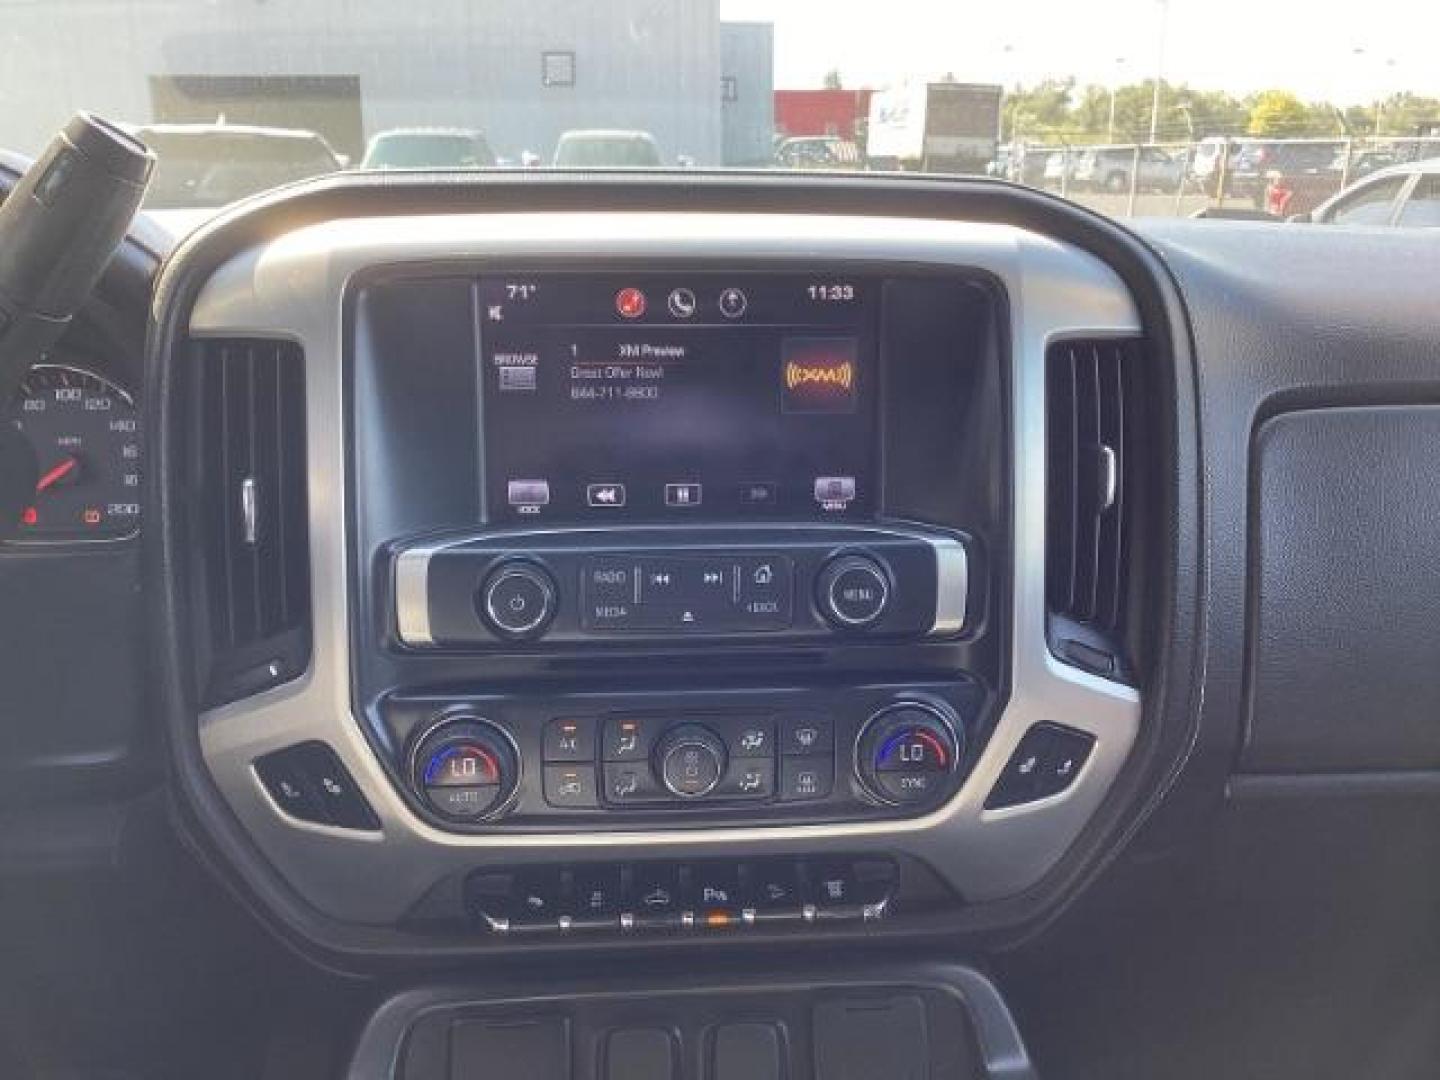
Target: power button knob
(517,600)
(853,591)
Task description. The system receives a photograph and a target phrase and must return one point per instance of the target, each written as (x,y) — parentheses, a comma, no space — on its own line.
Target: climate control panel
(586,587)
(782,755)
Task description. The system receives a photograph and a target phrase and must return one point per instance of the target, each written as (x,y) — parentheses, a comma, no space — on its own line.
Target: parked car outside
(817,152)
(1109,168)
(429,148)
(1253,165)
(1401,195)
(204,165)
(602,148)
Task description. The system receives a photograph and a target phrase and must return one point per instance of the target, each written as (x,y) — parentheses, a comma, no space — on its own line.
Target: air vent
(249,514)
(1090,439)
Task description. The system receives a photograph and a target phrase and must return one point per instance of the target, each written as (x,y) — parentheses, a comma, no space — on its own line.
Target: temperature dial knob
(907,753)
(465,770)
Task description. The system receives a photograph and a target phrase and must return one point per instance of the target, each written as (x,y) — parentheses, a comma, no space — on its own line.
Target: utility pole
(1114,86)
(1159,71)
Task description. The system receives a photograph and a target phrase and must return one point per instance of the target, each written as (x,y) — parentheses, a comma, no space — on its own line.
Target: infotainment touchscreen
(674,396)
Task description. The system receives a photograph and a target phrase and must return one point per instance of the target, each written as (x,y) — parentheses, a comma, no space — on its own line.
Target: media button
(605,496)
(528,496)
(834,493)
(682,495)
(733,303)
(661,582)
(516,378)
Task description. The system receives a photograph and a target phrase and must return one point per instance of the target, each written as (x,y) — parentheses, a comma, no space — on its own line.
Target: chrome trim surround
(412,580)
(293,288)
(952,585)
(412,596)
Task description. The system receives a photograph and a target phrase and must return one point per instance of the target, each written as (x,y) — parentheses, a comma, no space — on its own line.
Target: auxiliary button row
(677,897)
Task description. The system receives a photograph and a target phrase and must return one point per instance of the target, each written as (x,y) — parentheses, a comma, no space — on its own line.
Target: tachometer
(86,435)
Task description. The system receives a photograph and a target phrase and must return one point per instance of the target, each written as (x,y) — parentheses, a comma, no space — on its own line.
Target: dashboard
(596,571)
(534,571)
(667,573)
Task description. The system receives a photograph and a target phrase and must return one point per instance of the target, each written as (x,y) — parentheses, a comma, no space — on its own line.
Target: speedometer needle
(55,475)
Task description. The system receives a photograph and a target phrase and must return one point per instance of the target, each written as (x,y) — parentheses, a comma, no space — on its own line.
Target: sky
(1308,46)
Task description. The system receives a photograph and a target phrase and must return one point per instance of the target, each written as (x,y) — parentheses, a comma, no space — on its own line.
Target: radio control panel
(806,583)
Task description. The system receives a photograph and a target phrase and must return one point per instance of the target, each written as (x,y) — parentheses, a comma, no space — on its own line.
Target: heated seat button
(333,785)
(630,738)
(632,784)
(1045,763)
(290,788)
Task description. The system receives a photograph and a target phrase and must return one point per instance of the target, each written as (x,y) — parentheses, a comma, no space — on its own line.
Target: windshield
(1149,107)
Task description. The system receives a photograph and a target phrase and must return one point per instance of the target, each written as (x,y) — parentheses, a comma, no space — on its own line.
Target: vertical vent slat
(1087,427)
(250,455)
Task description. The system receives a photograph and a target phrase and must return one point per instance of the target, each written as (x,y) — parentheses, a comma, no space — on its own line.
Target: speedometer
(86,436)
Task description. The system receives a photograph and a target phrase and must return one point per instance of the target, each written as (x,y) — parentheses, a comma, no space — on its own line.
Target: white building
(522,71)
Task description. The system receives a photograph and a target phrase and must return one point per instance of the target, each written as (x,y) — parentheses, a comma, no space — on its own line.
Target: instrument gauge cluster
(86,433)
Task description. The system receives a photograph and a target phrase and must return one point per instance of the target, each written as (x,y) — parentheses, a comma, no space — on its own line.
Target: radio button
(609,580)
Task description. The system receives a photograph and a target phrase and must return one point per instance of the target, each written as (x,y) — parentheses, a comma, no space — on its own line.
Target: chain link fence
(1233,177)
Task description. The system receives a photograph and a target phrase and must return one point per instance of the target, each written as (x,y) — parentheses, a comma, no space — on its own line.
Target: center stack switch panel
(783,754)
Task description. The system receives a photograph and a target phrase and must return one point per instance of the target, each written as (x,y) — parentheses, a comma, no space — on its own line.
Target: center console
(660,576)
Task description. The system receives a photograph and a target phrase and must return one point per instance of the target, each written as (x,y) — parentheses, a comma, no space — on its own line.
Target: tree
(832,80)
(1278,113)
(1040,113)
